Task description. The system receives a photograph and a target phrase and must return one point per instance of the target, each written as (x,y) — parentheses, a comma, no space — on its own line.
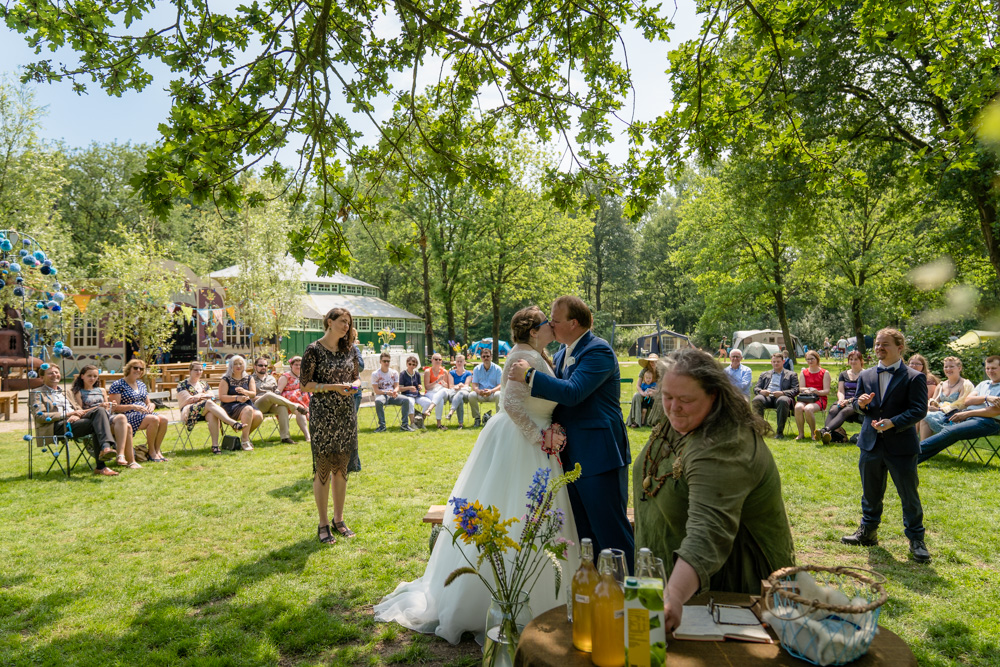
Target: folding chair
(971,448)
(625,397)
(55,446)
(183,436)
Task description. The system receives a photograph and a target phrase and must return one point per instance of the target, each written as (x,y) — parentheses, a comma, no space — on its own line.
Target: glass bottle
(608,616)
(583,589)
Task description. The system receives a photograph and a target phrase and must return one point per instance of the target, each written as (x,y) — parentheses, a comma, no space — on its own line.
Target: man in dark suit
(893,399)
(587,388)
(776,389)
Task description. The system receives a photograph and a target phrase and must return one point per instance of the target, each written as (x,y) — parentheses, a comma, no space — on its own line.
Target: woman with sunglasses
(409,386)
(437,379)
(290,388)
(131,398)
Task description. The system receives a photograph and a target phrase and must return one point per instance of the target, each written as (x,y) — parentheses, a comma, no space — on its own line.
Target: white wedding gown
(498,472)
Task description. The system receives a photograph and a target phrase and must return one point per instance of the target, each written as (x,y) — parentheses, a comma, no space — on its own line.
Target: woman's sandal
(238,426)
(121,461)
(108,472)
(134,466)
(343,529)
(216,449)
(301,409)
(325,536)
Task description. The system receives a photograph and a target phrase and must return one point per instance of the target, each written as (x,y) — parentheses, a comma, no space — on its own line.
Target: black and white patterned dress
(333,425)
(131,396)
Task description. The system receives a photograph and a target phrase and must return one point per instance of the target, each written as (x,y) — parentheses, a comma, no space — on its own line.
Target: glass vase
(505,620)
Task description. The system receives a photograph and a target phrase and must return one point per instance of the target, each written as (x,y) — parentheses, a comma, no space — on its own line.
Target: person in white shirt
(740,375)
(385,386)
(973,422)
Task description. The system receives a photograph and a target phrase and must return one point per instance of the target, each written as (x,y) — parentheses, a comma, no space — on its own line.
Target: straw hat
(651,359)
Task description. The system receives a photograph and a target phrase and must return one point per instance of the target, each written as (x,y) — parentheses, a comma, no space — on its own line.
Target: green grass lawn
(213,560)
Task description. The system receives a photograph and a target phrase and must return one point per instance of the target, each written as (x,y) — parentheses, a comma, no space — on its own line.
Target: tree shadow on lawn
(954,642)
(213,625)
(919,577)
(296,491)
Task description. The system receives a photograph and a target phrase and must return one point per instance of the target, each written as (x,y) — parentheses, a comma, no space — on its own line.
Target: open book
(698,624)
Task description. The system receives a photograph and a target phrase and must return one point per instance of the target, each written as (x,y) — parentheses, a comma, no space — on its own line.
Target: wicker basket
(832,631)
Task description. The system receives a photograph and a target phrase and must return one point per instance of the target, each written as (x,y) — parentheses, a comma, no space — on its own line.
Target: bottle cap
(586,541)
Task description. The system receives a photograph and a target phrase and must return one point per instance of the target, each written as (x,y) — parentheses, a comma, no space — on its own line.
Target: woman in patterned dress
(290,388)
(196,402)
(130,398)
(330,372)
(86,393)
(237,390)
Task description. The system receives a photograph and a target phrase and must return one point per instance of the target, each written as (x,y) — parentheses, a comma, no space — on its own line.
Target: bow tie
(883,369)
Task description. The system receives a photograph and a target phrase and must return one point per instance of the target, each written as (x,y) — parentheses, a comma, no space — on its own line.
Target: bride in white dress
(498,472)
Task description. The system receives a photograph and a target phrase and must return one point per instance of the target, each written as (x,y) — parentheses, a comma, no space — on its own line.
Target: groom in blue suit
(587,388)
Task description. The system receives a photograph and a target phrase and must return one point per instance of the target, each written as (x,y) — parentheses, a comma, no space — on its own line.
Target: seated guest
(86,394)
(131,398)
(709,494)
(409,386)
(815,384)
(949,397)
(787,361)
(56,414)
(842,409)
(237,391)
(776,390)
(385,386)
(197,402)
(437,379)
(290,388)
(460,389)
(741,376)
(269,401)
(637,414)
(485,384)
(918,363)
(971,422)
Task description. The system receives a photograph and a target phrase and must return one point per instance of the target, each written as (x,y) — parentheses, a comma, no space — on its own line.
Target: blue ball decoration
(25,242)
(69,434)
(15,267)
(47,270)
(58,344)
(43,367)
(56,308)
(56,286)
(40,304)
(39,255)
(48,419)
(29,261)
(51,304)
(66,353)
(59,297)
(3,283)
(39,413)
(4,264)
(32,374)
(26,438)
(22,252)
(5,245)
(44,317)
(52,271)
(19,280)
(47,262)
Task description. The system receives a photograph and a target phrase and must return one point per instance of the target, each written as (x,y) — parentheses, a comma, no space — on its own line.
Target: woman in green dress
(707,489)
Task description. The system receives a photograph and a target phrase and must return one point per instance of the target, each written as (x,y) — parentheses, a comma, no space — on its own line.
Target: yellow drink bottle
(583,590)
(608,616)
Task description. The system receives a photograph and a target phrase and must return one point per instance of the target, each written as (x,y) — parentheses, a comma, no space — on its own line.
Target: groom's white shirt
(566,358)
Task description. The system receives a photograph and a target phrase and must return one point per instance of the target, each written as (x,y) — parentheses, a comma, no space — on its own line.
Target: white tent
(767,336)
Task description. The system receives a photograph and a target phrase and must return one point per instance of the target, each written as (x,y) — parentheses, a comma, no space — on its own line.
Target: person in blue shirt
(741,376)
(485,384)
(971,423)
(461,391)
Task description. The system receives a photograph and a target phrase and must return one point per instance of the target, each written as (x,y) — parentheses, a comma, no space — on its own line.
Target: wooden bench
(8,399)
(435,517)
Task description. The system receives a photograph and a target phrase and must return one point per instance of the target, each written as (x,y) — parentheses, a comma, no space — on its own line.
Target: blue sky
(79,120)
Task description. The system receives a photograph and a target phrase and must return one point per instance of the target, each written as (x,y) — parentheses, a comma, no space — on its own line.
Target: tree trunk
(465,325)
(598,282)
(495,330)
(449,311)
(987,208)
(428,313)
(858,325)
(779,306)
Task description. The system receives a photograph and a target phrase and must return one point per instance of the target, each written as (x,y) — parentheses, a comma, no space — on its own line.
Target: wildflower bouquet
(385,335)
(539,546)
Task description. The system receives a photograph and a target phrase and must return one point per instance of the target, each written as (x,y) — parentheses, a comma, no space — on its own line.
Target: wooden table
(8,399)
(548,642)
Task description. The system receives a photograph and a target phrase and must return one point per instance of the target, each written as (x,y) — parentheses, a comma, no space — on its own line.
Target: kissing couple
(579,389)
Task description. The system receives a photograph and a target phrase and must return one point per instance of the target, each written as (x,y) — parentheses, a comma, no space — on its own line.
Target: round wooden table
(548,642)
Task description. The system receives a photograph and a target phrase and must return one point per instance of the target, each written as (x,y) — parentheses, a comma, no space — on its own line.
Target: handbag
(231,443)
(807,398)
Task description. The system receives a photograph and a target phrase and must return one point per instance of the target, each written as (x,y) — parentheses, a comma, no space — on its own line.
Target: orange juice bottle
(583,589)
(608,616)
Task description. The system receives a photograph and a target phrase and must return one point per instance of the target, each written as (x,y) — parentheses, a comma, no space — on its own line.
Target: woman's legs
(303,425)
(212,408)
(339,496)
(800,419)
(251,419)
(321,493)
(123,434)
(161,431)
(212,419)
(810,414)
(151,424)
(837,417)
(924,429)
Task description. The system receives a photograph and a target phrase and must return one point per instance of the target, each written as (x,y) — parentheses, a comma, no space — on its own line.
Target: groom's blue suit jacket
(588,396)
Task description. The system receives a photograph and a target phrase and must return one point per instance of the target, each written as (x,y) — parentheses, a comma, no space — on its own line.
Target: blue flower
(459,503)
(539,483)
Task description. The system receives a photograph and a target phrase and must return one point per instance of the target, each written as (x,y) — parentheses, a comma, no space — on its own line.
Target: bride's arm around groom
(587,388)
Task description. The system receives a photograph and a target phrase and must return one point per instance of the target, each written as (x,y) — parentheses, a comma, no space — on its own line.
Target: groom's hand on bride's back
(517,371)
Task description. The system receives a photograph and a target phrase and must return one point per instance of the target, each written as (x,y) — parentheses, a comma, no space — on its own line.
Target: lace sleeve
(516,393)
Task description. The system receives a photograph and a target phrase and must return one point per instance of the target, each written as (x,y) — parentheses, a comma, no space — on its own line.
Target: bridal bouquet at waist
(539,545)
